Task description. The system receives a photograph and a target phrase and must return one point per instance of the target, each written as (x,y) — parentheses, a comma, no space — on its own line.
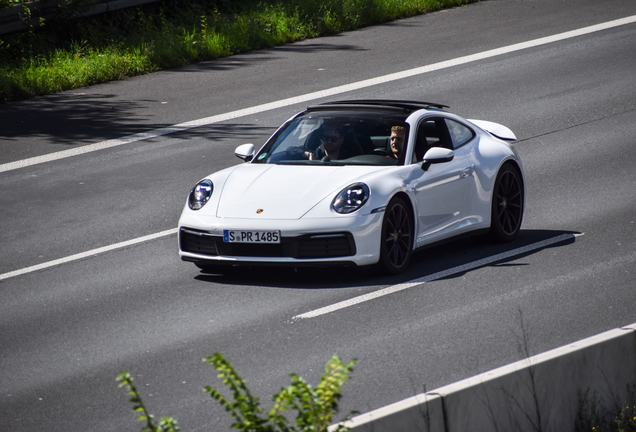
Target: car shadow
(424,263)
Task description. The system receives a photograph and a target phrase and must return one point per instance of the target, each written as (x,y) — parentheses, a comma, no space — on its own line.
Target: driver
(334,145)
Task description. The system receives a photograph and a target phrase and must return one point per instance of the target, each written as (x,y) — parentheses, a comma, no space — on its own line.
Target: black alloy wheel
(507,205)
(397,237)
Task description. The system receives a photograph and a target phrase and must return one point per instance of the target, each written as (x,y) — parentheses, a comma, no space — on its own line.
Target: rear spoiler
(500,131)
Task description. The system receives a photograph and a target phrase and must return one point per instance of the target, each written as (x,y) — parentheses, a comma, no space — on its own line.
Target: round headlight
(351,198)
(200,194)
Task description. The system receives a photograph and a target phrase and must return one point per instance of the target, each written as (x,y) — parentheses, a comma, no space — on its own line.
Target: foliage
(593,416)
(9,3)
(314,407)
(173,33)
(167,424)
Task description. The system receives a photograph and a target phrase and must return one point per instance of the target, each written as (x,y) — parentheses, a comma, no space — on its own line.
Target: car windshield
(338,138)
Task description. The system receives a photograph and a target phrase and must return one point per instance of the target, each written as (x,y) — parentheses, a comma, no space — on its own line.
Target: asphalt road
(67,330)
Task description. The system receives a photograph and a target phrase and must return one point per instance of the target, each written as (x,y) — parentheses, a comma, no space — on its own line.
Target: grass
(71,52)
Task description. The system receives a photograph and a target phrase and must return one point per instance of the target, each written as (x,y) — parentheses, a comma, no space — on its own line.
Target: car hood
(254,191)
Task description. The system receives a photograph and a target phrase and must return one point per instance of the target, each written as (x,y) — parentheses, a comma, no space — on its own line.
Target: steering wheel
(382,152)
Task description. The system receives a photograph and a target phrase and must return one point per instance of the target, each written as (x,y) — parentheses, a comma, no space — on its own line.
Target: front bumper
(327,241)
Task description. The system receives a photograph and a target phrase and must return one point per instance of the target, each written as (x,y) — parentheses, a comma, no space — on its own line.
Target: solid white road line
(87,254)
(315,95)
(439,275)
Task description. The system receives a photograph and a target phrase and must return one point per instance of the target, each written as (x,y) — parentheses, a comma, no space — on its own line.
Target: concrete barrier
(541,393)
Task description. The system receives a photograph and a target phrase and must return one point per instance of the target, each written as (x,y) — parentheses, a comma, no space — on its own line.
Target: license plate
(240,236)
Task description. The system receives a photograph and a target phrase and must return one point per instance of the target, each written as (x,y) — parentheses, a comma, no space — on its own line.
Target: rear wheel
(507,205)
(397,237)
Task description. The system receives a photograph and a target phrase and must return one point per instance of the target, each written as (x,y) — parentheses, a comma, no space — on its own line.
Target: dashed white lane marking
(439,275)
(315,95)
(87,254)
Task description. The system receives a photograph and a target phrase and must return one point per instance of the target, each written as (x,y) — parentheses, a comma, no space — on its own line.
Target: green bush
(173,33)
(313,407)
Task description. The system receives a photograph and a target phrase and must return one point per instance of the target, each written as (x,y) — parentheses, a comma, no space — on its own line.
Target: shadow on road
(423,263)
(67,118)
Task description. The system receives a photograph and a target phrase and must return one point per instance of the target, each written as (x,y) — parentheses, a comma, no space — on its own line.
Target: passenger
(397,140)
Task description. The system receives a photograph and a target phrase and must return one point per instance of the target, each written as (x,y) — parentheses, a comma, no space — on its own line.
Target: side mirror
(245,152)
(437,155)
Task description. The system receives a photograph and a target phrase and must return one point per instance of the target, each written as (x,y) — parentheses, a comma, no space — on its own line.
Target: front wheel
(507,205)
(397,237)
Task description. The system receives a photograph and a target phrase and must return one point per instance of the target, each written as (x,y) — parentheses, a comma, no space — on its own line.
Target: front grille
(302,247)
(326,246)
(197,242)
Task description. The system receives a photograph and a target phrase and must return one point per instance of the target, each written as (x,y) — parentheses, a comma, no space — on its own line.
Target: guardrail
(11,21)
(538,393)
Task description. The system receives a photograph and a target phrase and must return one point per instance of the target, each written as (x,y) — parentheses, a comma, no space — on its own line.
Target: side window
(431,132)
(459,133)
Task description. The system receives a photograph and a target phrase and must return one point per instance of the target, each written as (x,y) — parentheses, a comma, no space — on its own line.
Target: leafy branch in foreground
(314,407)
(167,424)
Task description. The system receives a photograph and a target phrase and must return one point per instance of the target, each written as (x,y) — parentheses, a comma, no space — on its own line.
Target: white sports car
(356,183)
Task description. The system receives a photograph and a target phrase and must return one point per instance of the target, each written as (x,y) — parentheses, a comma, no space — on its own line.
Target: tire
(507,205)
(396,241)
